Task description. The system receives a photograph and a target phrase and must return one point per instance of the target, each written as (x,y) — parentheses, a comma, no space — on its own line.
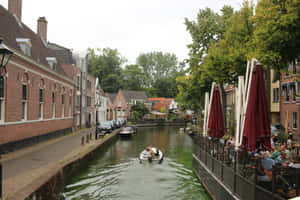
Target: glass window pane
(1,86)
(24,92)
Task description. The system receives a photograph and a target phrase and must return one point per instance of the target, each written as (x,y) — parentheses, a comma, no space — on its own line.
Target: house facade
(125,99)
(289,106)
(111,113)
(101,104)
(36,96)
(275,100)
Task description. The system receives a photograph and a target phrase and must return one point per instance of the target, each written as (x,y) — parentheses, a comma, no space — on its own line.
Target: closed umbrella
(257,124)
(215,121)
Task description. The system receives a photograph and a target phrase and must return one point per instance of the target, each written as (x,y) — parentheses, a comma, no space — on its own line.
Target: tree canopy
(106,65)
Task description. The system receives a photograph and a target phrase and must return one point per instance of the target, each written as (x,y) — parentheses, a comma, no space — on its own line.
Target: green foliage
(276,35)
(282,137)
(163,110)
(132,78)
(138,110)
(106,65)
(157,65)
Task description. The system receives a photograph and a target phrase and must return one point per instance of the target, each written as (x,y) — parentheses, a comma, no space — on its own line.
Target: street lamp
(5,55)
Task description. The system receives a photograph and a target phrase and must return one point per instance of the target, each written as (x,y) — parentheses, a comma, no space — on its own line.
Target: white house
(101,103)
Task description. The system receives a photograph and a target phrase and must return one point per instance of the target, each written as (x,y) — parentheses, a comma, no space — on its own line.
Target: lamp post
(5,55)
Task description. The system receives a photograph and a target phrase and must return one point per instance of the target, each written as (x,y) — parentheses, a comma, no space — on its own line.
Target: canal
(116,174)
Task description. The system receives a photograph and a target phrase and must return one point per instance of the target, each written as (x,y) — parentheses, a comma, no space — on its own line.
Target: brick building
(125,99)
(289,107)
(36,96)
(111,114)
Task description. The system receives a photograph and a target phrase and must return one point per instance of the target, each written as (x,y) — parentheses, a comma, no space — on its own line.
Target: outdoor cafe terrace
(249,175)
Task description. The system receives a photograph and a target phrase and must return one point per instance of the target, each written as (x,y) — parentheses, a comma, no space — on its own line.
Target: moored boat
(126,131)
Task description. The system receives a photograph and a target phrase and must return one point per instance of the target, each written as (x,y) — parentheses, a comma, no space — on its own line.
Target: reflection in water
(116,173)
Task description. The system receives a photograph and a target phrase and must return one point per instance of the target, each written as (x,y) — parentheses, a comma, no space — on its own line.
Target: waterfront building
(36,96)
(125,99)
(111,110)
(275,100)
(101,104)
(65,57)
(289,106)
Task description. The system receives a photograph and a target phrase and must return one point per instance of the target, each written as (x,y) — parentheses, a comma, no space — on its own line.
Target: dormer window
(25,45)
(52,62)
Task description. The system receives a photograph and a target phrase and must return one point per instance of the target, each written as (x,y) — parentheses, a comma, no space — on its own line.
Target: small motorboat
(126,131)
(145,156)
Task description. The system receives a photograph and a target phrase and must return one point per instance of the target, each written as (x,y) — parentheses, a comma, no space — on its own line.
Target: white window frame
(25,103)
(2,103)
(63,105)
(70,105)
(294,124)
(53,106)
(41,105)
(25,45)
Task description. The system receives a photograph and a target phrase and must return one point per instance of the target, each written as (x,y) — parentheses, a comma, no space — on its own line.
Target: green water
(116,174)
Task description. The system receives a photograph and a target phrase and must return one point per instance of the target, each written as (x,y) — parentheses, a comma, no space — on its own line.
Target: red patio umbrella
(216,121)
(257,124)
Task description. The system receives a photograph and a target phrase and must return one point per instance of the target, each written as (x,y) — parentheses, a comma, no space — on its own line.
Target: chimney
(42,29)
(15,8)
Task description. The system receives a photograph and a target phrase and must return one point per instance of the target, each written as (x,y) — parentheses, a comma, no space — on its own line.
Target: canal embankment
(40,170)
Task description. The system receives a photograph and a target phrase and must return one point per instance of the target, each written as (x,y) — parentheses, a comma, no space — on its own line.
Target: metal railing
(241,172)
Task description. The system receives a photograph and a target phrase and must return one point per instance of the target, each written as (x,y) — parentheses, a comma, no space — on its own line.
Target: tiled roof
(131,94)
(11,29)
(62,54)
(111,96)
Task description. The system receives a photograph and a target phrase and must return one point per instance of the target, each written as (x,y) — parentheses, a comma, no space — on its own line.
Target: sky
(131,26)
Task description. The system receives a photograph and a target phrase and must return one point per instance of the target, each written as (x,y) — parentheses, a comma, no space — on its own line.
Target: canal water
(116,174)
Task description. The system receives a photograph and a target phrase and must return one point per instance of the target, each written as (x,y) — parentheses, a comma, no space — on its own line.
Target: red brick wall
(289,107)
(13,102)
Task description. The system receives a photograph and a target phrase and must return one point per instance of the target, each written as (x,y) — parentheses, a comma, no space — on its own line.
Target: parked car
(105,127)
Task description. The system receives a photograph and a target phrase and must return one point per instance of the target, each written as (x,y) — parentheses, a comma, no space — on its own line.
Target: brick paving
(24,171)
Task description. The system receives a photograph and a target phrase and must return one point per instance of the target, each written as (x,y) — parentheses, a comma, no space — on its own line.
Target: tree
(106,65)
(227,59)
(276,35)
(158,65)
(132,78)
(206,31)
(139,110)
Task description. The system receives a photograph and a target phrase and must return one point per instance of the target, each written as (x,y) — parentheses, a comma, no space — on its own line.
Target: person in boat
(157,152)
(150,151)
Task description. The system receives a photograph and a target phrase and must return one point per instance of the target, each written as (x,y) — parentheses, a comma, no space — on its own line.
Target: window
(41,104)
(89,84)
(62,105)
(25,45)
(298,86)
(275,95)
(70,105)
(293,88)
(2,98)
(120,103)
(52,62)
(294,67)
(294,120)
(24,101)
(89,100)
(287,94)
(53,104)
(78,82)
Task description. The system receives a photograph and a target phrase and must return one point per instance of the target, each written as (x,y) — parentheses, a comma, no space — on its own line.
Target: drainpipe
(80,100)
